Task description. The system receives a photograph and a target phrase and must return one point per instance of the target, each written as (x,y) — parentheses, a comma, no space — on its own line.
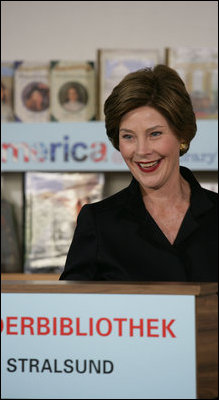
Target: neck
(170,193)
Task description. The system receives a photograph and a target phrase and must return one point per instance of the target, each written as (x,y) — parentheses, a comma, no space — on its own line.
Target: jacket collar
(199,204)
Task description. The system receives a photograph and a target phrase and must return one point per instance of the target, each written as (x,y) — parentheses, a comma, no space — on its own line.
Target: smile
(148,166)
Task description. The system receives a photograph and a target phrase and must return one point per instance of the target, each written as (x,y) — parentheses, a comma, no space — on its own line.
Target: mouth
(149,166)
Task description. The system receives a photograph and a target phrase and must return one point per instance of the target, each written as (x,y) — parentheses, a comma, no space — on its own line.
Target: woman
(37,98)
(163,226)
(73,103)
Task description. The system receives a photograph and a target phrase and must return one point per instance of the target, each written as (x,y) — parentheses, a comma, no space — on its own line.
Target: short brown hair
(161,88)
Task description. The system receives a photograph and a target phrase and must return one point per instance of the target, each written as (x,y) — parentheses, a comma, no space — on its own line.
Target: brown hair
(160,88)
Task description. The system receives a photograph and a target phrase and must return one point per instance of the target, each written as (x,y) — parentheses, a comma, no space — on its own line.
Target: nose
(143,147)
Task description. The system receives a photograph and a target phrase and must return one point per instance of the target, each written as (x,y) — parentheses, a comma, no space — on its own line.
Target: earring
(183,146)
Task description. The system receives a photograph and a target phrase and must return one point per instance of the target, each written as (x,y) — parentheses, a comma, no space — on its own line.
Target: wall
(44,30)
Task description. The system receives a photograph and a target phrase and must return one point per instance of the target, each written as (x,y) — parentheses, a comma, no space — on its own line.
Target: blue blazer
(116,239)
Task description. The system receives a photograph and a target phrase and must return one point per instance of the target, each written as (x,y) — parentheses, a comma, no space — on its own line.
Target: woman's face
(149,147)
(72,94)
(36,100)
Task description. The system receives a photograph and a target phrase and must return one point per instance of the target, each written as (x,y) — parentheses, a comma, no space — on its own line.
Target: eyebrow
(126,130)
(155,127)
(147,130)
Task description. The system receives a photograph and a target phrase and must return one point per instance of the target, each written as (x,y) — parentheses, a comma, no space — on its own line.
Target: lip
(149,169)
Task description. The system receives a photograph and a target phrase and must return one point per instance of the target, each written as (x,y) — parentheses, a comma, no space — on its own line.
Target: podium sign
(98,346)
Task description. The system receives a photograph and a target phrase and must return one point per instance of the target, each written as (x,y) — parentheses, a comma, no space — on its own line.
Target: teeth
(149,164)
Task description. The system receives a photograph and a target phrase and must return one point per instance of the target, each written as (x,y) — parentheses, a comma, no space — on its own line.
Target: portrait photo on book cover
(35,96)
(73,96)
(6,104)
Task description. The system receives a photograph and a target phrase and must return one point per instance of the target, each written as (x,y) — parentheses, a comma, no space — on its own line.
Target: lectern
(109,340)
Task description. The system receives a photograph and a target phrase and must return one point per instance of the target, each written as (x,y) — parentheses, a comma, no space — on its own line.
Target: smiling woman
(151,143)
(163,226)
(151,151)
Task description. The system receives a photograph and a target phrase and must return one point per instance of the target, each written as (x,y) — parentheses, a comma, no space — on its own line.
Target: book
(7,86)
(31,91)
(73,91)
(52,203)
(113,65)
(10,249)
(198,68)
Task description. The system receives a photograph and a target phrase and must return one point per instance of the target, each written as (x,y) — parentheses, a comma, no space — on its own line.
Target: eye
(127,136)
(156,133)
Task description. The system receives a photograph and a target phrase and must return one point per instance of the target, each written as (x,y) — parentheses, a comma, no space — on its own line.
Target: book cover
(52,203)
(114,65)
(31,92)
(7,86)
(198,68)
(10,249)
(73,91)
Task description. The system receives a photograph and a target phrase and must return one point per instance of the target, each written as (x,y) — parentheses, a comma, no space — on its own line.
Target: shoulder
(112,204)
(199,193)
(213,196)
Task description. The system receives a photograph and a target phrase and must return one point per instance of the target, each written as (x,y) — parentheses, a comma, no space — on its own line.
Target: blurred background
(75,34)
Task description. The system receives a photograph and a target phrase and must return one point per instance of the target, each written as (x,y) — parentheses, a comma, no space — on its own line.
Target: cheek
(126,149)
(125,152)
(170,147)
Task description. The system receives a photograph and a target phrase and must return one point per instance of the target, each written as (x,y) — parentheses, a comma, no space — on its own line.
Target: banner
(98,346)
(84,146)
